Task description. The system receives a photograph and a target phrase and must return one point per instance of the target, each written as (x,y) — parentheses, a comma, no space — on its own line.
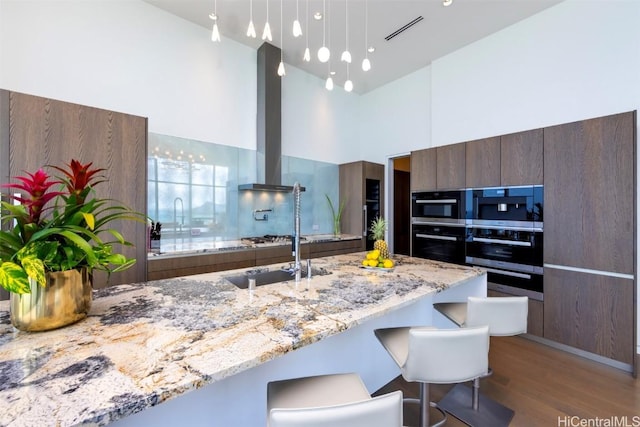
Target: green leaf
(35,269)
(14,279)
(82,245)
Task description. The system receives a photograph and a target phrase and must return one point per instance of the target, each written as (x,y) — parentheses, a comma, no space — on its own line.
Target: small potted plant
(51,242)
(337,215)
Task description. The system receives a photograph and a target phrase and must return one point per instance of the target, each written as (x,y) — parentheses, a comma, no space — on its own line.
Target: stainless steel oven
(439,206)
(438,241)
(512,257)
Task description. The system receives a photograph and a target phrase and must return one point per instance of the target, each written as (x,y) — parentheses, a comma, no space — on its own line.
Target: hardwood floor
(542,385)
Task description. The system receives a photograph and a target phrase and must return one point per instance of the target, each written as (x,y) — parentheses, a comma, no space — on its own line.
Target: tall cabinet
(589,236)
(362,192)
(37,131)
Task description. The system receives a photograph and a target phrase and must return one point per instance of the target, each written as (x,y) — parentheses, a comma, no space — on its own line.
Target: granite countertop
(148,342)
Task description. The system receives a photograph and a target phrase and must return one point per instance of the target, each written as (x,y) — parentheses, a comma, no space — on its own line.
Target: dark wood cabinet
(591,312)
(521,158)
(589,236)
(44,131)
(535,323)
(423,170)
(362,191)
(589,194)
(451,167)
(483,163)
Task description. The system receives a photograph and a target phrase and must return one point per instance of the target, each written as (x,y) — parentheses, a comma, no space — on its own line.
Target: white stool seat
(505,316)
(335,400)
(436,356)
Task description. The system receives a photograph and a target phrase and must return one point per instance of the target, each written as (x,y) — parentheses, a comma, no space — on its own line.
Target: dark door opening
(402,205)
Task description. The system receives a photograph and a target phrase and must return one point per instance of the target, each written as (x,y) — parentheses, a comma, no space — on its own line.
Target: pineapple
(378,228)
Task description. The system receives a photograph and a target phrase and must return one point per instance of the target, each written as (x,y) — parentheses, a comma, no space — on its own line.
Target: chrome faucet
(175,217)
(296,231)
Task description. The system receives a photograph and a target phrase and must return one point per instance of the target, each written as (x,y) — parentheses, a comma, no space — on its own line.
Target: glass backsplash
(193,193)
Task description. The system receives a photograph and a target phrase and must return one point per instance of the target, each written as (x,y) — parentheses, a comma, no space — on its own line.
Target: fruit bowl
(374,261)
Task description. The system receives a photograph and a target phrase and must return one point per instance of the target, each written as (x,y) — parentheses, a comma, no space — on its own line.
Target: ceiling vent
(405,27)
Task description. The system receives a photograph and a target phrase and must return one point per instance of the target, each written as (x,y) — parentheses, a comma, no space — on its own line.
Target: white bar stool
(337,400)
(505,316)
(436,356)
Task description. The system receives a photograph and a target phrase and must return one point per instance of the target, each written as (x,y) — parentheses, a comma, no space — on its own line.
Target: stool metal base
(490,414)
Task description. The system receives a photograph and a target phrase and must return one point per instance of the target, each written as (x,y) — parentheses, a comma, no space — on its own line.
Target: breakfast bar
(199,350)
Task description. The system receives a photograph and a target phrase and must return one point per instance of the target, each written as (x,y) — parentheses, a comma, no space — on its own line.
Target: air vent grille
(405,27)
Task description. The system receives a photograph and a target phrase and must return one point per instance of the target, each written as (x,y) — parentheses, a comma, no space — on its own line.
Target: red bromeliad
(37,186)
(79,178)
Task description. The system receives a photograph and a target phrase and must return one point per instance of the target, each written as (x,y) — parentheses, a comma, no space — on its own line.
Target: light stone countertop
(145,343)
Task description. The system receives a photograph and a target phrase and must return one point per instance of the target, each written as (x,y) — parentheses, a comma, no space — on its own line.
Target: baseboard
(582,353)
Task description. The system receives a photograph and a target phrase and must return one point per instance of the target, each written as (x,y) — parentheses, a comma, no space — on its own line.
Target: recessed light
(371,49)
(447,2)
(213,16)
(317,16)
(333,73)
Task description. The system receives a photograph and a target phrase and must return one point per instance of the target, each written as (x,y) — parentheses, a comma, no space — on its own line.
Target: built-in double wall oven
(439,225)
(504,236)
(498,229)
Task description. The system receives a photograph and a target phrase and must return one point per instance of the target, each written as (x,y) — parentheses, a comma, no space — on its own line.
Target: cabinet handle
(364,225)
(501,242)
(439,201)
(435,237)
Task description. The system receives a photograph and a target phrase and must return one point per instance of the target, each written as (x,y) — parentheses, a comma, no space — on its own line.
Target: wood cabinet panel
(49,132)
(423,170)
(167,267)
(450,167)
(590,312)
(353,192)
(521,158)
(535,317)
(319,250)
(590,194)
(483,163)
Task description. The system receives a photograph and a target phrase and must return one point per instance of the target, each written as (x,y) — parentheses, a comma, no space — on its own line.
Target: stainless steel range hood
(268,130)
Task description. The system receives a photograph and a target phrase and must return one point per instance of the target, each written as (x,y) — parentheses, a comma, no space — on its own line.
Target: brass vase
(65,300)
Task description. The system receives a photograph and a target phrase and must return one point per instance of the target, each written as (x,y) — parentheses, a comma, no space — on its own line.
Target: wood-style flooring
(545,387)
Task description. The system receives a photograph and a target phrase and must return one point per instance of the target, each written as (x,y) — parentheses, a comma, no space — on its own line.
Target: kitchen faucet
(296,230)
(175,217)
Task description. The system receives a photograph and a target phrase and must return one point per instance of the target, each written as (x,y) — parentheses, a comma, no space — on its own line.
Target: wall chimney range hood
(268,129)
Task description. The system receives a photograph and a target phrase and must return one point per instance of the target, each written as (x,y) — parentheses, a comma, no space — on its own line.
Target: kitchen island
(207,349)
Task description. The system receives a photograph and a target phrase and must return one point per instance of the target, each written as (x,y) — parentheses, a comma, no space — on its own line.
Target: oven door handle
(436,202)
(436,237)
(508,273)
(501,242)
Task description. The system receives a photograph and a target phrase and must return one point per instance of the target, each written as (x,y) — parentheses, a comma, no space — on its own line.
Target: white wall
(396,118)
(129,56)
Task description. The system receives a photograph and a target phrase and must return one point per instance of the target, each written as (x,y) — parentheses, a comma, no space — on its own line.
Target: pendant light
(324,53)
(297,29)
(366,64)
(329,82)
(215,33)
(307,53)
(281,71)
(346,55)
(251,30)
(266,33)
(348,84)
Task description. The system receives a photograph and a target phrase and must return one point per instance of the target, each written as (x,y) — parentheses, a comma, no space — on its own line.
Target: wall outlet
(315,227)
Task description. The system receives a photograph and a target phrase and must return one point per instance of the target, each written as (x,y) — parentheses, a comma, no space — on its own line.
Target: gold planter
(65,300)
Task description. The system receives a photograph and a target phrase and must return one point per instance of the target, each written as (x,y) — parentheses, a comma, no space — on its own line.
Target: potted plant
(52,240)
(337,215)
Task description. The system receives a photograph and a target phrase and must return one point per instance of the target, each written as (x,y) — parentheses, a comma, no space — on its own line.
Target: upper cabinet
(450,167)
(521,158)
(483,163)
(423,170)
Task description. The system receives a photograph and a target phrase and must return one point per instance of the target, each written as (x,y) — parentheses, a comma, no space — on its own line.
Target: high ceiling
(441,31)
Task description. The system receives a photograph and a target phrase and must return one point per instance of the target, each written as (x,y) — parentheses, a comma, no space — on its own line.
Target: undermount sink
(265,277)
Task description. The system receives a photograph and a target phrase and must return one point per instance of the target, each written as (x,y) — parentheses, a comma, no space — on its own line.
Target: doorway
(402,205)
